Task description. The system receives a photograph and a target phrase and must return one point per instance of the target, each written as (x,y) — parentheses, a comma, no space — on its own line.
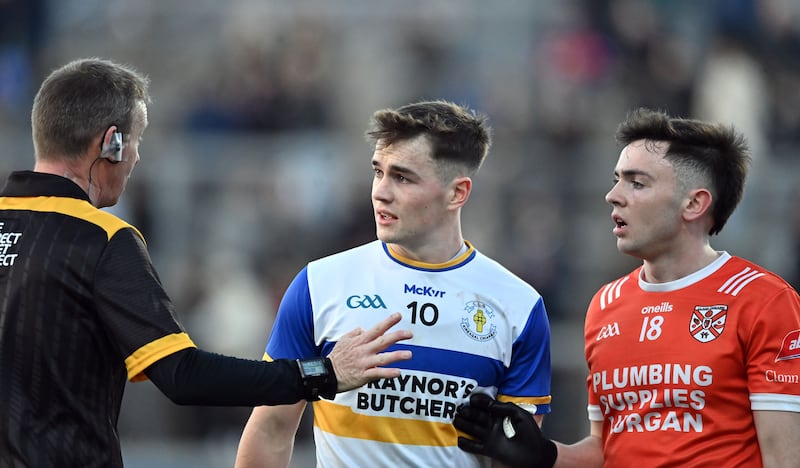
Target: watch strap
(318,386)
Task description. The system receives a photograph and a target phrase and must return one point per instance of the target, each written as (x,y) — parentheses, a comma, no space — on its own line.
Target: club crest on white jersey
(476,322)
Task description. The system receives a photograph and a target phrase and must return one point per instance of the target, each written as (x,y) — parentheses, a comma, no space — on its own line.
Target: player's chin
(625,246)
(630,248)
(386,235)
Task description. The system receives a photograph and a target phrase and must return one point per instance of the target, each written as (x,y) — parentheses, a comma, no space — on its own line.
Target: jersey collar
(688,280)
(456,262)
(40,184)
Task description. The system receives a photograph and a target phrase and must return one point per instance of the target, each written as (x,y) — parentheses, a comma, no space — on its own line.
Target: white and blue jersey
(476,326)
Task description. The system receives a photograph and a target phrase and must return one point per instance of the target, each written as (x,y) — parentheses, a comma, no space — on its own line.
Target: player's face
(646,202)
(409,199)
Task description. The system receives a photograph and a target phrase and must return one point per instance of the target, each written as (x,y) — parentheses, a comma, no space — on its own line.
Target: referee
(82,309)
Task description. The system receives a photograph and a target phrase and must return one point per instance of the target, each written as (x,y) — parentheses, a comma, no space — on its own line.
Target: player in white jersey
(477,327)
(694,357)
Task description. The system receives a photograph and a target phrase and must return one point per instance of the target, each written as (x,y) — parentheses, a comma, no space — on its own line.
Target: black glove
(483,419)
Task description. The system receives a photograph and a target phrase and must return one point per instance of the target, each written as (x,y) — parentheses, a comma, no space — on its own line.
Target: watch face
(313,367)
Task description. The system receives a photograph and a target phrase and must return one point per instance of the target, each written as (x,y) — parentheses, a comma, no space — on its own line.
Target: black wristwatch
(318,378)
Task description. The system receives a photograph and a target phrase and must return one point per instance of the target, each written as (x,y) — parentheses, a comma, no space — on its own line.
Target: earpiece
(113,150)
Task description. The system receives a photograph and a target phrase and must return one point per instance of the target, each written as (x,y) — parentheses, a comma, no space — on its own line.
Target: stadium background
(255,162)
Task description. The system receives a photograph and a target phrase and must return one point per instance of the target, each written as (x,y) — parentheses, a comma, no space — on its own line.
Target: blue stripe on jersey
(530,357)
(484,370)
(295,338)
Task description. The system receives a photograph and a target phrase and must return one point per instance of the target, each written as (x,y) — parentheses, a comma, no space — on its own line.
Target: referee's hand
(359,356)
(482,421)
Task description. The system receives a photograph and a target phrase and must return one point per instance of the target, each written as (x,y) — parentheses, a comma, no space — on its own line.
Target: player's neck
(671,267)
(430,254)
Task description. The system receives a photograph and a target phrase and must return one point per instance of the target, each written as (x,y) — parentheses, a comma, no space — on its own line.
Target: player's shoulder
(741,275)
(359,253)
(491,272)
(487,263)
(612,290)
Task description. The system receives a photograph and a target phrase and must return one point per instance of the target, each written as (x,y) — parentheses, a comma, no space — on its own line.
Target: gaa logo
(365,302)
(612,329)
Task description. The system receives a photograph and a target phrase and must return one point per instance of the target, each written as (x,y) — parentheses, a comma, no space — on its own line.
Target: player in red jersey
(694,357)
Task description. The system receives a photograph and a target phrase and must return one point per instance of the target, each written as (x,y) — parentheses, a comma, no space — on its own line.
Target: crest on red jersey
(790,348)
(708,322)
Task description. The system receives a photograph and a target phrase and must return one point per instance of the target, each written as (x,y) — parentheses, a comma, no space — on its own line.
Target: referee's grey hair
(81,99)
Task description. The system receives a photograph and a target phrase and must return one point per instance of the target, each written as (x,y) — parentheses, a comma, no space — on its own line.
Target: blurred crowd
(255,161)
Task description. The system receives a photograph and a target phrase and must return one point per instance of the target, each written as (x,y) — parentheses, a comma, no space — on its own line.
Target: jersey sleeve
(133,306)
(773,354)
(292,335)
(593,406)
(528,376)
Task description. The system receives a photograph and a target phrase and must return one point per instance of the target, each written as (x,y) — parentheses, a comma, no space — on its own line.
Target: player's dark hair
(457,134)
(81,99)
(717,153)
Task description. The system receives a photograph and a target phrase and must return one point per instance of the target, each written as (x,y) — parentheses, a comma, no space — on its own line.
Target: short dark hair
(81,99)
(457,134)
(714,153)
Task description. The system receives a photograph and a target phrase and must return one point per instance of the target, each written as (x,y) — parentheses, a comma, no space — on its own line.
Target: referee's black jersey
(81,311)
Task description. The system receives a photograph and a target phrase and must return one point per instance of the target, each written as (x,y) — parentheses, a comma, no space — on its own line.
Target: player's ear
(697,204)
(461,187)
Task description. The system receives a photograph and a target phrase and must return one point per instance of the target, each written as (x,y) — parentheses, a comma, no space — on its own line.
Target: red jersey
(676,369)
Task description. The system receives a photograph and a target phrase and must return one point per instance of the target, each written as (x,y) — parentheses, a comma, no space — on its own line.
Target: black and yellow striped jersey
(81,310)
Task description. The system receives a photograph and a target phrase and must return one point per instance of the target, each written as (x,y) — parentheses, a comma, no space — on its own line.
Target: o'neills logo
(790,348)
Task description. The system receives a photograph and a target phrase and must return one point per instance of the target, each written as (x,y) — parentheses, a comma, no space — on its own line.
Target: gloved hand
(483,419)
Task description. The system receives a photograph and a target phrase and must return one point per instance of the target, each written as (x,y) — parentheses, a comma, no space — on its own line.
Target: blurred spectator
(732,88)
(23,29)
(794,230)
(570,66)
(535,233)
(268,85)
(655,58)
(778,45)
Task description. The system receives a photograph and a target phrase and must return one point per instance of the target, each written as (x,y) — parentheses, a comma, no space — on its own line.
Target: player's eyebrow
(631,173)
(395,168)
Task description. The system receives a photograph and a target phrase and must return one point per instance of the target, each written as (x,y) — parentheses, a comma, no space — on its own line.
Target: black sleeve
(196,377)
(131,302)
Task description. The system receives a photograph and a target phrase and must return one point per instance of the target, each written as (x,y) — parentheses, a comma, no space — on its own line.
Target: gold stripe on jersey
(536,401)
(432,266)
(71,207)
(143,357)
(329,417)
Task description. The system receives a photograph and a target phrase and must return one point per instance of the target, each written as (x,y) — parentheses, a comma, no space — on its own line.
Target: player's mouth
(619,224)
(384,217)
